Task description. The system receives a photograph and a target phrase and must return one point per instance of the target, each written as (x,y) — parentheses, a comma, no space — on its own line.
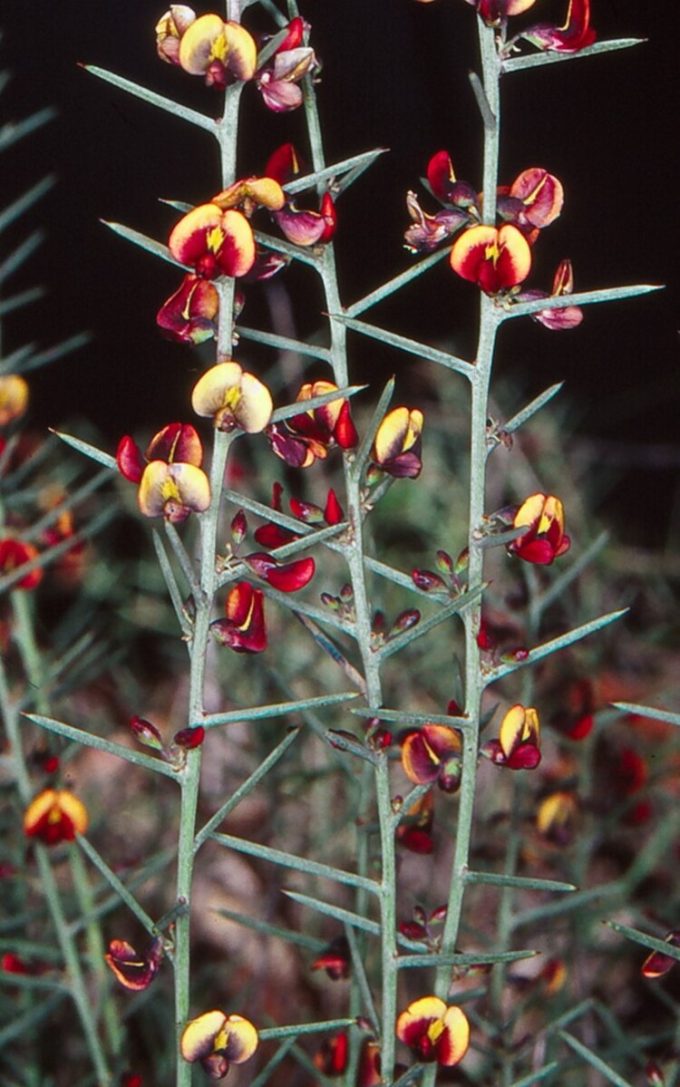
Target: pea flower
(222,52)
(432,754)
(169,30)
(435,1031)
(533,201)
(218,1041)
(305,438)
(334,959)
(564,316)
(249,193)
(173,491)
(233,398)
(132,970)
(190,314)
(213,242)
(278,80)
(243,629)
(495,258)
(460,207)
(300,226)
(518,743)
(415,829)
(545,539)
(657,965)
(175,442)
(332,1055)
(397,445)
(13,398)
(54,816)
(287,577)
(13,555)
(556,817)
(575,35)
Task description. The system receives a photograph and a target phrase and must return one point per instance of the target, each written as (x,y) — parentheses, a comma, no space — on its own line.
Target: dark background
(394,76)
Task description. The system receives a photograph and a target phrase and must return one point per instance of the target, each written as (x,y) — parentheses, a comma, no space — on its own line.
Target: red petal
(129,459)
(333,511)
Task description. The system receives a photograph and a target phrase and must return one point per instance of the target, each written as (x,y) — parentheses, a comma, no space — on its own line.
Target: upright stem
(480,380)
(371,664)
(226,134)
(30,658)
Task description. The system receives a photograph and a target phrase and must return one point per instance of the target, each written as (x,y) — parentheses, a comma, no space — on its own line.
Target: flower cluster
(225,52)
(496,258)
(575,34)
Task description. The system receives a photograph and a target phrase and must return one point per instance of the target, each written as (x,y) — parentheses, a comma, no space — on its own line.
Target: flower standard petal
(13,397)
(176,443)
(241,58)
(233,398)
(243,629)
(132,970)
(396,448)
(542,195)
(54,816)
(214,242)
(454,1040)
(173,491)
(495,259)
(434,1031)
(198,1036)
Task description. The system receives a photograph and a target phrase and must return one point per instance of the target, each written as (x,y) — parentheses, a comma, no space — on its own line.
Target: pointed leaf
(327,1025)
(144,242)
(245,788)
(20,255)
(650,942)
(310,943)
(153,99)
(649,711)
(332,649)
(455,607)
(109,746)
(277,709)
(395,284)
(24,298)
(346,917)
(335,171)
(12,132)
(299,864)
(91,451)
(530,410)
(535,1077)
(580,298)
(410,962)
(411,347)
(554,645)
(285,343)
(57,351)
(500,879)
(26,201)
(171,583)
(537,60)
(593,1060)
(117,885)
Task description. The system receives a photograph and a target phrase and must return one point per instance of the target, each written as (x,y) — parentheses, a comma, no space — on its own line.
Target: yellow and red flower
(460,207)
(132,970)
(495,258)
(243,629)
(221,52)
(174,442)
(13,398)
(533,201)
(657,965)
(305,438)
(169,30)
(556,817)
(575,35)
(173,491)
(435,1031)
(13,555)
(542,516)
(54,816)
(233,398)
(190,314)
(432,754)
(415,828)
(213,242)
(397,445)
(518,743)
(218,1041)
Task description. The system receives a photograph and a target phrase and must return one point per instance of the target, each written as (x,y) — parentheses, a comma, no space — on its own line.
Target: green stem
(30,657)
(226,133)
(480,380)
(370,660)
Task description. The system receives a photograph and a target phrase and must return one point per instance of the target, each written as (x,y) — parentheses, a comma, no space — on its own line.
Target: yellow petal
(198,1037)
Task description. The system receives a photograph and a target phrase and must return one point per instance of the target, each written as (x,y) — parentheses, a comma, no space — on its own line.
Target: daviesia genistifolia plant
(424,818)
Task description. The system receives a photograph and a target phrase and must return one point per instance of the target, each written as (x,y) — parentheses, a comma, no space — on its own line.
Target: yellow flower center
(214,239)
(220,48)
